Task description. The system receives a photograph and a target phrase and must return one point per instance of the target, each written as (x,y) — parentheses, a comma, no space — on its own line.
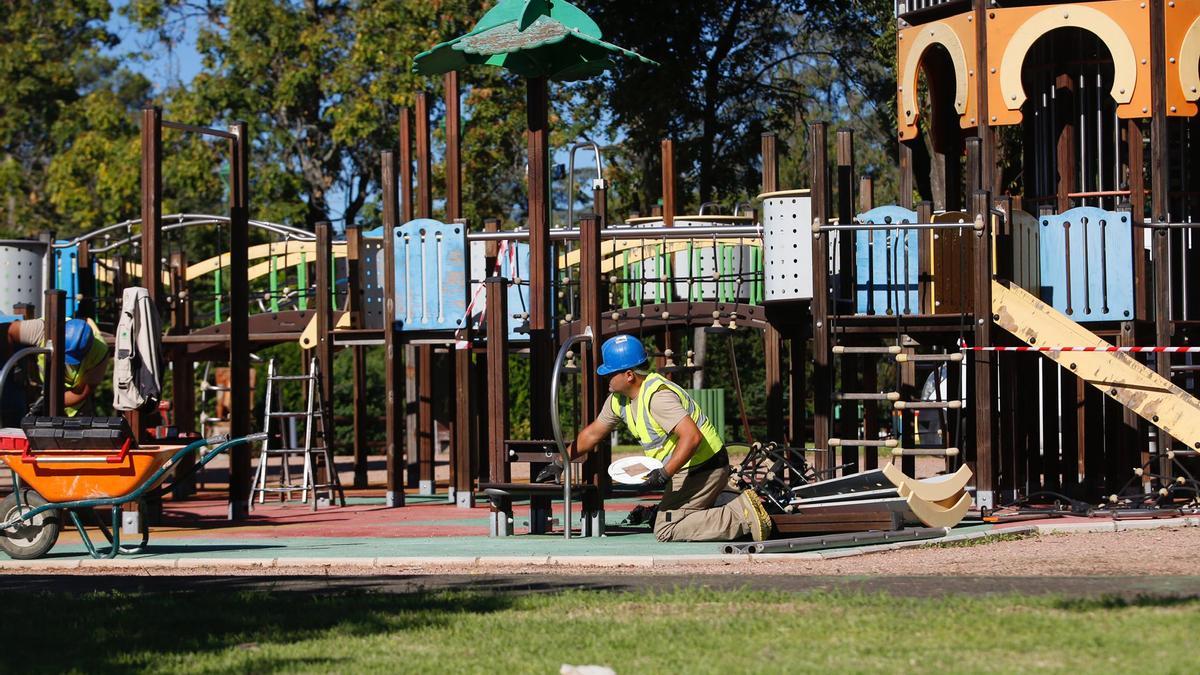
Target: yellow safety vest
(657,442)
(73,375)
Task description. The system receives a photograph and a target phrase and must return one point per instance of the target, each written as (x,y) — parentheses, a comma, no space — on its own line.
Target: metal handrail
(182,220)
(556,426)
(817,227)
(568,234)
(596,184)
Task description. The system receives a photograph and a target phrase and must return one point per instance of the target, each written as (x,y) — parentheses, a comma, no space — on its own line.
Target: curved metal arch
(933,34)
(1068,16)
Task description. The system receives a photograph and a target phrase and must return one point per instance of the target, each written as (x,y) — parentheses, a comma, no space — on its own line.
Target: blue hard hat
(621,352)
(78,341)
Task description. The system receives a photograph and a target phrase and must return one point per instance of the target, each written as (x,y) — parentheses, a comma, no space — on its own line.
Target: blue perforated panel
(431,276)
(887,265)
(515,266)
(1087,264)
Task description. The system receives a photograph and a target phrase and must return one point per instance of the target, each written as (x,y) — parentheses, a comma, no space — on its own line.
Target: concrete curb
(151,564)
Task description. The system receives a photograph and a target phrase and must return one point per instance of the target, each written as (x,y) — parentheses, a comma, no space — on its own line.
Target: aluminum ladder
(315,451)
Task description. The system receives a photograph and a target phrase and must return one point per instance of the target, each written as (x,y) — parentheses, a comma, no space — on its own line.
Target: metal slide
(1118,375)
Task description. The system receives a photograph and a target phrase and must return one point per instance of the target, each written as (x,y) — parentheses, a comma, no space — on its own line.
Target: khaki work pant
(686,511)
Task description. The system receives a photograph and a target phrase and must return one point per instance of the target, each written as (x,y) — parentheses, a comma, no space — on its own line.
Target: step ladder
(315,452)
(901,355)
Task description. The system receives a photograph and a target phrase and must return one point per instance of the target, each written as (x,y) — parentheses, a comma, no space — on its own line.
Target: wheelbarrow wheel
(28,539)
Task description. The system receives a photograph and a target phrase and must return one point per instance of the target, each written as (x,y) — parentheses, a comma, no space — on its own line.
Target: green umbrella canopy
(532,38)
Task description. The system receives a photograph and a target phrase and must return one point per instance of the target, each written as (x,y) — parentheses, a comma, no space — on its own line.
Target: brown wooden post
(991,175)
(393,414)
(496,324)
(354,281)
(426,429)
(822,374)
(239,320)
(772,339)
(1137,208)
(405,212)
(85,302)
(462,464)
(668,183)
(851,365)
(152,204)
(453,145)
(422,377)
(424,159)
(325,324)
(907,179)
(55,330)
(541,335)
(870,374)
(1160,206)
(984,368)
(1066,150)
(925,299)
(845,187)
(591,296)
(183,377)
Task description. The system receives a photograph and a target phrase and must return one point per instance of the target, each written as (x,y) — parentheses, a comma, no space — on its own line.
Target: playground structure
(1005,306)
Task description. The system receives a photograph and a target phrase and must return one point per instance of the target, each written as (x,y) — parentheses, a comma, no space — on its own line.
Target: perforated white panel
(787,246)
(21,275)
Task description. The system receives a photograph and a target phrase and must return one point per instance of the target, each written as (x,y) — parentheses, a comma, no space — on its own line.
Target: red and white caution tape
(1110,349)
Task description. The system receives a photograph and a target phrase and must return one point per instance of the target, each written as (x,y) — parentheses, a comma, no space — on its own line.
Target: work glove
(655,480)
(552,473)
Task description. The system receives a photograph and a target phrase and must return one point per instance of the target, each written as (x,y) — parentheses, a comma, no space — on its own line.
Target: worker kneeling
(671,428)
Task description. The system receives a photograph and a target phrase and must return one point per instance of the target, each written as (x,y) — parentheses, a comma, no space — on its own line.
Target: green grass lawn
(690,631)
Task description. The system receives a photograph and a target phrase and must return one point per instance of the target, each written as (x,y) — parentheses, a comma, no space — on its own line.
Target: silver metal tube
(566,234)
(182,220)
(895,226)
(556,426)
(571,176)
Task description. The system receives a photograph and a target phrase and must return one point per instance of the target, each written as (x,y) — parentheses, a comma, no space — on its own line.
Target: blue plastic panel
(515,266)
(887,265)
(66,274)
(431,276)
(1087,264)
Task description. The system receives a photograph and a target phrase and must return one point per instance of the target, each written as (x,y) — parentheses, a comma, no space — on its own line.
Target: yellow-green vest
(73,375)
(657,442)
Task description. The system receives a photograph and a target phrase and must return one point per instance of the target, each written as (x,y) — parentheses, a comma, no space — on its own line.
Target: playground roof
(532,38)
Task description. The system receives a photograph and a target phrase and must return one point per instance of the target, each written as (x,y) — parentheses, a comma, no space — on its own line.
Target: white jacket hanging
(137,365)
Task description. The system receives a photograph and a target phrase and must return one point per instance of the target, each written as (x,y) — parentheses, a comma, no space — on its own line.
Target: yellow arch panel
(1124,28)
(957,35)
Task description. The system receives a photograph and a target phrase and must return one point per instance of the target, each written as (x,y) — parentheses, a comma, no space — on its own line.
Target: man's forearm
(680,457)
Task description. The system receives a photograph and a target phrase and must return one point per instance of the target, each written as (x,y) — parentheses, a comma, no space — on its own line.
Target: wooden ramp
(1120,376)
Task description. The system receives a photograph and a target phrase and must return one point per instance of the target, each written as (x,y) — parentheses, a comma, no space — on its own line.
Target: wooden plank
(1119,376)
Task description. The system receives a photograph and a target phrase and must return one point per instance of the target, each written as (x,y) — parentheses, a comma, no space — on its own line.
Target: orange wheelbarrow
(48,484)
